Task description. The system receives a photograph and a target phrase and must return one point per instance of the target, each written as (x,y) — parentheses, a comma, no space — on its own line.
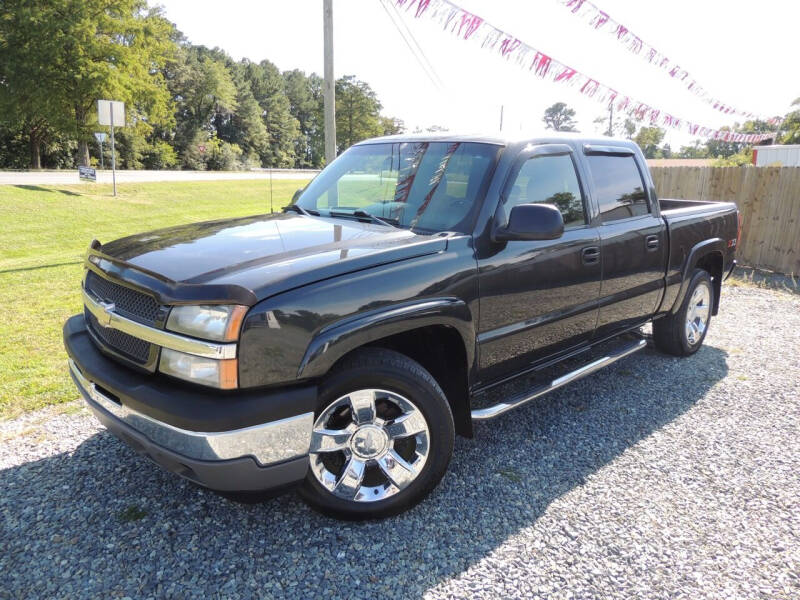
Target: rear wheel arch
(712,263)
(708,256)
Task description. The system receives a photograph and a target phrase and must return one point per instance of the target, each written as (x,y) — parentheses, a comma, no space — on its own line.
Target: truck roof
(501,138)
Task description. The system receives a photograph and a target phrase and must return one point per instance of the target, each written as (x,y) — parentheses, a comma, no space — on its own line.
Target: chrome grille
(128,346)
(128,302)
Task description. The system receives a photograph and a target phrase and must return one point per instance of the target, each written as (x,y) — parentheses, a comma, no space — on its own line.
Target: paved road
(658,478)
(71,176)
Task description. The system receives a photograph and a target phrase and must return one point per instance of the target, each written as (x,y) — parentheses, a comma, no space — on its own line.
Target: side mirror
(296,195)
(531,222)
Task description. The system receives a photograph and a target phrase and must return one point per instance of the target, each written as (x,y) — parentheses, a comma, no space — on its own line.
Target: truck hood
(267,254)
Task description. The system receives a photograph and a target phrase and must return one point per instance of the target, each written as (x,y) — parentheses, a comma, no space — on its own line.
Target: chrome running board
(490,412)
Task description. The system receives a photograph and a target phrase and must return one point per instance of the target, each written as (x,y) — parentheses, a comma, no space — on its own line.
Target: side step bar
(490,412)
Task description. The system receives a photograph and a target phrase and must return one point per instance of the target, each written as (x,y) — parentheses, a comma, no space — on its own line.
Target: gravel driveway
(657,478)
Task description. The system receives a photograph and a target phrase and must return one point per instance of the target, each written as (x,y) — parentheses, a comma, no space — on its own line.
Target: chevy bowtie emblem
(108,310)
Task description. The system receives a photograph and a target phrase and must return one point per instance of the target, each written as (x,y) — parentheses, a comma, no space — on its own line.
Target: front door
(538,297)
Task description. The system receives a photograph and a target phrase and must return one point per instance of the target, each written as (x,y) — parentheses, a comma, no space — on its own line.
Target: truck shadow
(139,531)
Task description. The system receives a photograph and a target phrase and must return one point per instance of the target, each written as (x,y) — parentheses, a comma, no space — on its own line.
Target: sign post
(100,137)
(112,113)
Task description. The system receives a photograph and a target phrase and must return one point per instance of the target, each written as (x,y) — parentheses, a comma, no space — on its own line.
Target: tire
(368,463)
(682,333)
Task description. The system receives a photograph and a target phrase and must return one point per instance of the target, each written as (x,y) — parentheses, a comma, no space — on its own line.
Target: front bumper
(242,441)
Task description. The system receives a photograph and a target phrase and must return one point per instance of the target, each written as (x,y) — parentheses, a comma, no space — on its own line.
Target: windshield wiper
(299,209)
(362,214)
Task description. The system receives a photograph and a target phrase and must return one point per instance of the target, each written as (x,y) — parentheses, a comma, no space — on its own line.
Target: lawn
(46,230)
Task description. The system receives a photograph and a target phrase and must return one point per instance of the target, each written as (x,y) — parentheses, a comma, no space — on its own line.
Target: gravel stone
(656,478)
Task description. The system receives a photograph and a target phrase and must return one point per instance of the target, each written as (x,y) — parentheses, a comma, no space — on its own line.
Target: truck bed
(676,206)
(689,221)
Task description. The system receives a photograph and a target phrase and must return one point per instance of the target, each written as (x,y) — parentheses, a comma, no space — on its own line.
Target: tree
(392,125)
(28,106)
(604,126)
(742,158)
(59,57)
(202,88)
(629,128)
(305,105)
(357,112)
(791,125)
(606,123)
(559,117)
(267,86)
(245,126)
(648,139)
(696,150)
(185,104)
(85,51)
(721,148)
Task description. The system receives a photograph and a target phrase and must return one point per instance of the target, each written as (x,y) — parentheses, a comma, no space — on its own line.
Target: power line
(433,77)
(414,39)
(427,68)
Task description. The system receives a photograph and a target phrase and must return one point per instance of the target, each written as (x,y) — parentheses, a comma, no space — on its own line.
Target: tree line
(187,106)
(561,117)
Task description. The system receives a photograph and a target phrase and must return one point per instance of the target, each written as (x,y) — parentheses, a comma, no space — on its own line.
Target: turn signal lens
(222,374)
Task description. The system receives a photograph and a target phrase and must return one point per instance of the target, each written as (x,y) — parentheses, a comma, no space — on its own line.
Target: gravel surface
(657,478)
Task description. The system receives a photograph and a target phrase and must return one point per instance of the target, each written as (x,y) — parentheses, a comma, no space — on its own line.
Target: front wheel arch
(380,372)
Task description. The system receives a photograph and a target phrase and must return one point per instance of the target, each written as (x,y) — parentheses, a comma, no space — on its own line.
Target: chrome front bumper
(267,443)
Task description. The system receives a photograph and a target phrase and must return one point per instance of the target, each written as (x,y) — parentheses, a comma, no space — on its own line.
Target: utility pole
(113,151)
(501,117)
(330,83)
(611,120)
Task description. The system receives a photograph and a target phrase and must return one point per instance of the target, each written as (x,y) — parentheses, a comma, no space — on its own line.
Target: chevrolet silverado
(340,345)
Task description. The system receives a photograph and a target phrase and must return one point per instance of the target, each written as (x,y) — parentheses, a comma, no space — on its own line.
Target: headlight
(221,374)
(207,321)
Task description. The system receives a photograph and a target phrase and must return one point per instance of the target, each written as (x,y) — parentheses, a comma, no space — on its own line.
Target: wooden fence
(767,197)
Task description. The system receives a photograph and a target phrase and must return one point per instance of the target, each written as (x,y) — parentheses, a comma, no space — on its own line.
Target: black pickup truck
(341,344)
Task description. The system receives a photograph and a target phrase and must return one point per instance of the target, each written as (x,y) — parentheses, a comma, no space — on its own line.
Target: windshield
(431,186)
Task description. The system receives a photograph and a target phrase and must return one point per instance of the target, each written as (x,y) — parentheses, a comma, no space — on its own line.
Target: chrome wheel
(369,445)
(697,313)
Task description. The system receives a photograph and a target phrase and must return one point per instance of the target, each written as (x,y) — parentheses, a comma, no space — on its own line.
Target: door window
(618,186)
(550,179)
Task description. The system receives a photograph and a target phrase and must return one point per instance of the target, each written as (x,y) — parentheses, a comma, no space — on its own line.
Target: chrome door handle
(590,255)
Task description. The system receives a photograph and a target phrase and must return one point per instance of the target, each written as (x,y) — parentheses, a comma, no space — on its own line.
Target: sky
(743,53)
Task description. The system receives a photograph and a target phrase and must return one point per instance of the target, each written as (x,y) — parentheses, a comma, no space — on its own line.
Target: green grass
(132,513)
(45,232)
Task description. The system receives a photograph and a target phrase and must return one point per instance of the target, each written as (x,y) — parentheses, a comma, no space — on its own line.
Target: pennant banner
(472,28)
(601,21)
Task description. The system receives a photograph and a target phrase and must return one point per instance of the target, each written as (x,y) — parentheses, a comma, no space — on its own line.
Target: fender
(339,338)
(697,252)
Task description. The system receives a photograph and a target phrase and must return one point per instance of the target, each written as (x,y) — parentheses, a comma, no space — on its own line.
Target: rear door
(538,297)
(633,238)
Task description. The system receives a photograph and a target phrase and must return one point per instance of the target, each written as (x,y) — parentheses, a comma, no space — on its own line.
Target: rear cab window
(618,187)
